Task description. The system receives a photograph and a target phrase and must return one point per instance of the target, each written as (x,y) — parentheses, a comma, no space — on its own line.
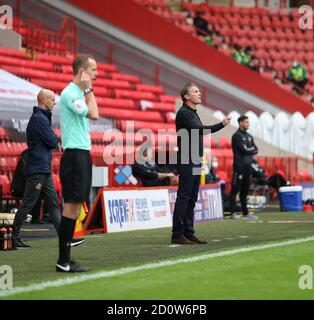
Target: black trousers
(240,183)
(38,185)
(183,216)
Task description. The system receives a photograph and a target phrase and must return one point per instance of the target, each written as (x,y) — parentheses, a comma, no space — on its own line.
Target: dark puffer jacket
(40,140)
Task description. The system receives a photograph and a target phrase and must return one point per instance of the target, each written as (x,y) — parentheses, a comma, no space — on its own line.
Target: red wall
(140,22)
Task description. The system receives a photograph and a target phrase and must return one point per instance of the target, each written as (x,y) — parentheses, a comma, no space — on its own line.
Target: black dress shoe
(181,240)
(19,244)
(196,240)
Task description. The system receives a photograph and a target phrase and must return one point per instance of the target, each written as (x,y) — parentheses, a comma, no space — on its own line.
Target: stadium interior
(127,91)
(246,56)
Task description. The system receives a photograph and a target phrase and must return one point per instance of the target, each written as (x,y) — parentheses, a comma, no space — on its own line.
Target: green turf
(267,274)
(228,277)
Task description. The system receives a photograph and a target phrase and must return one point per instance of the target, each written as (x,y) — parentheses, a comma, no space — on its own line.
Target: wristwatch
(88,90)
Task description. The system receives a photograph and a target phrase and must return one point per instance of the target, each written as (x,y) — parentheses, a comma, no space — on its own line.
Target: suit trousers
(183,216)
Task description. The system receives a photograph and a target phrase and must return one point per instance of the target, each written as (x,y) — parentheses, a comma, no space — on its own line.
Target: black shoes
(187,240)
(70,267)
(19,244)
(196,240)
(181,240)
(77,242)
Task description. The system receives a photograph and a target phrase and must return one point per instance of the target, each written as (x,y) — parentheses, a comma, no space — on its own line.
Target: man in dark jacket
(40,140)
(190,131)
(244,149)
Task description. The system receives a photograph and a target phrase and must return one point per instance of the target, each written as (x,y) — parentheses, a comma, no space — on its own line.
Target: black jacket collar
(185,106)
(47,113)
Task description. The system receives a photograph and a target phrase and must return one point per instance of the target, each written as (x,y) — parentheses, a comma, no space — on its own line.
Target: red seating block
(149,88)
(116,84)
(116,103)
(127,77)
(131,114)
(148,125)
(136,95)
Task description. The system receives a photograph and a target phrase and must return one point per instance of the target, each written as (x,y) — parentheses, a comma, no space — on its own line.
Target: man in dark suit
(190,131)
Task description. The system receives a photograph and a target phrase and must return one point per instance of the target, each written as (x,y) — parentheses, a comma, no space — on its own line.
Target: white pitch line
(149,266)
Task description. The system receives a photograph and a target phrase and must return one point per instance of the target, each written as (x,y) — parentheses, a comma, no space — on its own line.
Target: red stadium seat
(153,126)
(116,84)
(4,135)
(159,106)
(149,88)
(54,59)
(116,103)
(136,95)
(127,77)
(5,185)
(106,67)
(224,142)
(168,99)
(153,116)
(13,53)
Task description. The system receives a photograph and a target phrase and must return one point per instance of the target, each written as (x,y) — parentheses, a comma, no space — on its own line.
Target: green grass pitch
(267,273)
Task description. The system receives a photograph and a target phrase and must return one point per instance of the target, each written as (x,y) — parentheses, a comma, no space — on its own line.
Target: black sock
(66,230)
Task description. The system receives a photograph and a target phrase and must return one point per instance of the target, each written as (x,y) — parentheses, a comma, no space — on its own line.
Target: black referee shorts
(76,175)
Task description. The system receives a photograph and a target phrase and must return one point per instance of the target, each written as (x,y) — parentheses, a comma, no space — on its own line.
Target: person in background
(244,149)
(298,75)
(211,176)
(201,24)
(236,54)
(245,57)
(40,140)
(148,171)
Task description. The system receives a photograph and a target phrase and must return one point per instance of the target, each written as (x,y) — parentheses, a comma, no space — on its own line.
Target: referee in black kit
(190,131)
(244,149)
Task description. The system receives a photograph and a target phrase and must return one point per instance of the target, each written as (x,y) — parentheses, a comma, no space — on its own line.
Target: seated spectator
(148,171)
(201,24)
(277,180)
(298,75)
(245,57)
(236,54)
(209,40)
(211,176)
(258,173)
(253,62)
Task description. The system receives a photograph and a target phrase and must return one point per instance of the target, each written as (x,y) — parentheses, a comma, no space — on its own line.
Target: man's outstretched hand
(226,120)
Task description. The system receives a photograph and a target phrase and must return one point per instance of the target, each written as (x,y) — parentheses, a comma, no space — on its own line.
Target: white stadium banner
(140,209)
(128,210)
